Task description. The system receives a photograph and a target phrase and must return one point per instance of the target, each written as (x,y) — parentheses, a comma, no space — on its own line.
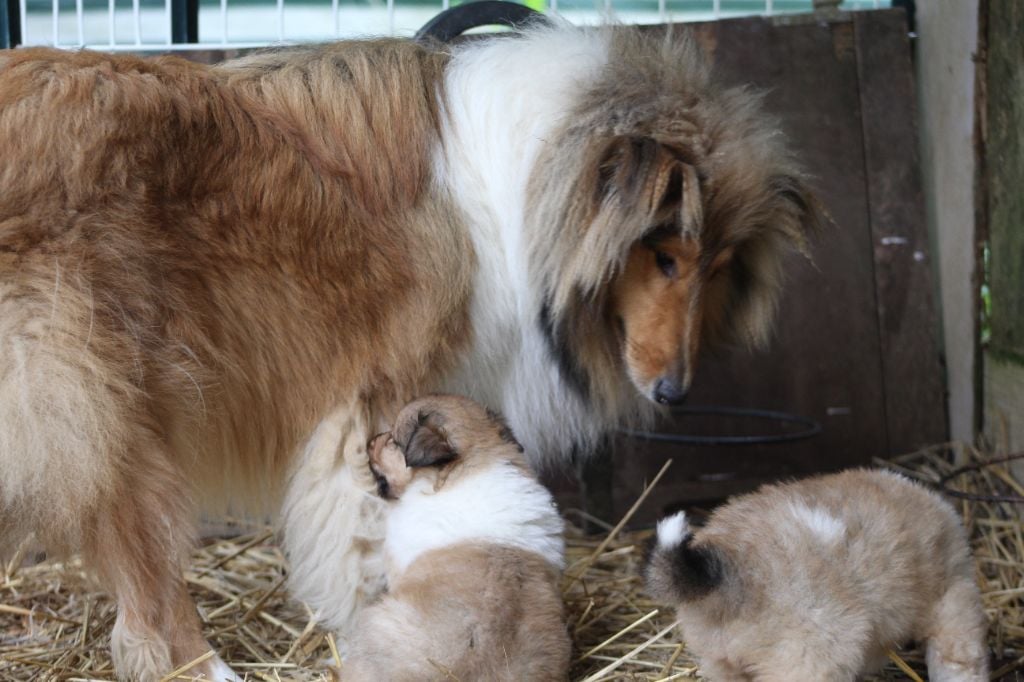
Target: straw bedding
(55,626)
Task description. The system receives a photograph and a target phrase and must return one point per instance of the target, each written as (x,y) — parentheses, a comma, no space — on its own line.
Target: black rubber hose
(455,21)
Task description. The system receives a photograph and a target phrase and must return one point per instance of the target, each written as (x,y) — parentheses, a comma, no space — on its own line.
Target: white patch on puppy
(498,505)
(819,521)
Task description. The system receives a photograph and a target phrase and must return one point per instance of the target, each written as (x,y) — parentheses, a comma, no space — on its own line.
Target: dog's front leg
(333,524)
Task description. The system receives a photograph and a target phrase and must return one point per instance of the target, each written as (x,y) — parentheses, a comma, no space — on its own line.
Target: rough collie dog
(474,548)
(216,283)
(815,580)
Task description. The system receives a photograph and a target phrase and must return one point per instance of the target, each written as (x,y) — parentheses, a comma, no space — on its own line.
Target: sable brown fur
(467,612)
(184,289)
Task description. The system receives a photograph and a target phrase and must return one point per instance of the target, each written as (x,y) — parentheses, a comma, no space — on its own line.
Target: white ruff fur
(333,528)
(499,505)
(499,116)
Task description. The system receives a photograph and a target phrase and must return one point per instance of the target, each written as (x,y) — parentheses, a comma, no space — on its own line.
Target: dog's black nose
(667,392)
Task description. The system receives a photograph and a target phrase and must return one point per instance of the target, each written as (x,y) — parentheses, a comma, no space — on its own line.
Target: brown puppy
(216,283)
(815,580)
(474,549)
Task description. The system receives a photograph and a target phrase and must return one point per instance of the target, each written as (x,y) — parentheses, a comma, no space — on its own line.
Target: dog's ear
(427,444)
(800,214)
(651,178)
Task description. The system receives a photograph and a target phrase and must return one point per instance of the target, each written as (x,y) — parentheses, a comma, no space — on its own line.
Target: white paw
(220,672)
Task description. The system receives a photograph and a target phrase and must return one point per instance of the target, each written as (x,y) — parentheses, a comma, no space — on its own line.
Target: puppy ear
(427,444)
(377,443)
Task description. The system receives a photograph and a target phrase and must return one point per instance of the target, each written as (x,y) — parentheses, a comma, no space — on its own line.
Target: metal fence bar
(80,21)
(137,16)
(184,21)
(5,25)
(12,13)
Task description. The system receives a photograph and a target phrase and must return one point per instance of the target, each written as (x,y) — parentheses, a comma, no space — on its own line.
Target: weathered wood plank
(1005,170)
(908,325)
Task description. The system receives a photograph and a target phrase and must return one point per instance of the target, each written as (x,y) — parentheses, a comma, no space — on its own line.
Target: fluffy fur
(474,545)
(200,266)
(815,580)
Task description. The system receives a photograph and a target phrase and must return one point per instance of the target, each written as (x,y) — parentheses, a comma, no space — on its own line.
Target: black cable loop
(812,427)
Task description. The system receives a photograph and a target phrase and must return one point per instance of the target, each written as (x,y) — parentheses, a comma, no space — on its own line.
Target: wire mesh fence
(151,24)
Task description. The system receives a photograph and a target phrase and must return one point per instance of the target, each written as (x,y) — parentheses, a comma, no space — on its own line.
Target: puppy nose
(668,392)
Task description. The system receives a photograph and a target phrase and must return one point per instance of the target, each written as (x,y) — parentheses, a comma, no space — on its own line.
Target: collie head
(657,218)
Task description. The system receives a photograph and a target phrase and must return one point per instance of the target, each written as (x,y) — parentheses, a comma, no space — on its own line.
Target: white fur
(327,514)
(499,505)
(62,413)
(497,101)
(221,672)
(136,652)
(672,530)
(824,525)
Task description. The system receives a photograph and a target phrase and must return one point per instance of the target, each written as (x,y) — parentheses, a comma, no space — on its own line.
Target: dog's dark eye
(666,263)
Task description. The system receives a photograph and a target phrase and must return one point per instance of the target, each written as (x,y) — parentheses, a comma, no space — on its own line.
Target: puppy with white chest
(815,580)
(474,548)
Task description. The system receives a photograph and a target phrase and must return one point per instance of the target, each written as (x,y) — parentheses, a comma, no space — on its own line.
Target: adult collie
(216,283)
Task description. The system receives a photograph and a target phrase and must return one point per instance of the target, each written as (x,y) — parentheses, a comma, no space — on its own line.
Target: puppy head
(441,438)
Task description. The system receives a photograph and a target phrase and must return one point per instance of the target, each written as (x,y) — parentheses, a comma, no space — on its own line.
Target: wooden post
(1003,178)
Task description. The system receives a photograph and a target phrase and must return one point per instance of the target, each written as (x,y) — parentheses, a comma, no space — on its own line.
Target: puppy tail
(678,569)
